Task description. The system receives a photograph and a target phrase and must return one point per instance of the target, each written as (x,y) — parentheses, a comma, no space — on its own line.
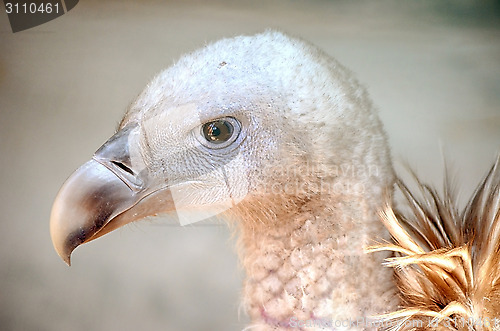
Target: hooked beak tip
(64,252)
(62,246)
(66,259)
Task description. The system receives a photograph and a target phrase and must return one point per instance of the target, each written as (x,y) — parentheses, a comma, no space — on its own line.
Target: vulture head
(276,137)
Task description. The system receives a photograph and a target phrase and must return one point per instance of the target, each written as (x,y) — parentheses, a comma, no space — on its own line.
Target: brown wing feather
(447,263)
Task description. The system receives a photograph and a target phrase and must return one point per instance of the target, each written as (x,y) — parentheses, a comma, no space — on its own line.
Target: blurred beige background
(431,66)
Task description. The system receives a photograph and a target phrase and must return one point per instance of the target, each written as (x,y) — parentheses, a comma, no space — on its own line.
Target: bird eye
(221,132)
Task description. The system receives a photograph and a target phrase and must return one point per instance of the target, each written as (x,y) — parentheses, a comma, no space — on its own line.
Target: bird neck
(305,261)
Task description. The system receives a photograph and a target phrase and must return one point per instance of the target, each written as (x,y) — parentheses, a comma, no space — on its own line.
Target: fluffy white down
(302,183)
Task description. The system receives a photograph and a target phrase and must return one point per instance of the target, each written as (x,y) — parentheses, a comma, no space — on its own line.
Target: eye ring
(219,133)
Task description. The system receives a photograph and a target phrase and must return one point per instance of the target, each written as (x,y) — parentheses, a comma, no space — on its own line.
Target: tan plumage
(447,265)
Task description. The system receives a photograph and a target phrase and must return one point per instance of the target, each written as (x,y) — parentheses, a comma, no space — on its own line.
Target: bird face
(202,136)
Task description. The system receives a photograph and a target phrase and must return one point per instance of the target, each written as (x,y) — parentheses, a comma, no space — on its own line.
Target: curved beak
(107,192)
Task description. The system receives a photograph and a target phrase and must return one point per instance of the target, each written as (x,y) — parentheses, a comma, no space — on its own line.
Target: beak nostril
(123,167)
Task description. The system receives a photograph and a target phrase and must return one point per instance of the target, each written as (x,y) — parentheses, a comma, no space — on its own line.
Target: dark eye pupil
(218,131)
(214,131)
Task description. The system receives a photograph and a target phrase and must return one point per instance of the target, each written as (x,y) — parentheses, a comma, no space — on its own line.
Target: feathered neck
(304,259)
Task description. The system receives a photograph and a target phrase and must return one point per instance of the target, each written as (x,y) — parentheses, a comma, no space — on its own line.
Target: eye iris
(218,131)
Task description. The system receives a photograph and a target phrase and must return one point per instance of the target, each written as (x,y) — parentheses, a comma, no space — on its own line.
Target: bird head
(240,118)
